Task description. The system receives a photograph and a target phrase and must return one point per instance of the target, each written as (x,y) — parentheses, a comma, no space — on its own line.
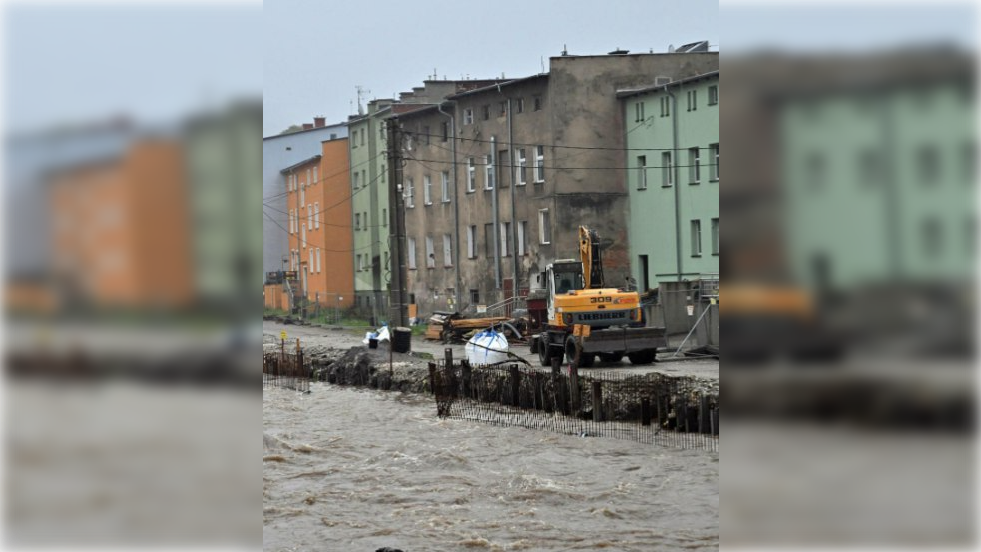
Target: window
(969,162)
(412,253)
(488,173)
(446,131)
(357,221)
(489,240)
(427,185)
(715,236)
(430,255)
(364,218)
(714,95)
(471,242)
(694,169)
(409,193)
(445,180)
(928,161)
(692,100)
(318,259)
(468,116)
(303,234)
(522,168)
(357,263)
(408,141)
(310,260)
(316,177)
(667,170)
(383,174)
(362,136)
(474,297)
(971,233)
(638,112)
(522,238)
(869,167)
(364,178)
(292,224)
(425,135)
(665,106)
(539,164)
(485,112)
(538,103)
(645,273)
(354,184)
(471,175)
(519,105)
(447,250)
(932,239)
(384,217)
(505,239)
(641,172)
(714,158)
(502,109)
(696,238)
(544,227)
(309,180)
(303,194)
(316,215)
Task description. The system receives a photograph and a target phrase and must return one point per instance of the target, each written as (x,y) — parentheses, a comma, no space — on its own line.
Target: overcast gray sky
(317,52)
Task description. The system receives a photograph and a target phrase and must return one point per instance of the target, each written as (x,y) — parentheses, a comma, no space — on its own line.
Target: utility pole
(398,306)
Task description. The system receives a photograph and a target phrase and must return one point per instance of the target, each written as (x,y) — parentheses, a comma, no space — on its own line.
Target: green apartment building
(369,205)
(880,180)
(672,156)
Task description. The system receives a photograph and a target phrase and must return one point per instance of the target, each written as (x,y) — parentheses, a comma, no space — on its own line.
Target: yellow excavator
(576,295)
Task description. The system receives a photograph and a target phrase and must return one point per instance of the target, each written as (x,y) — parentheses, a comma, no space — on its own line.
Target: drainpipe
(677,181)
(456,207)
(514,223)
(496,228)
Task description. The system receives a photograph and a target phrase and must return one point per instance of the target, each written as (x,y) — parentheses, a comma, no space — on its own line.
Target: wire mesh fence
(649,408)
(286,368)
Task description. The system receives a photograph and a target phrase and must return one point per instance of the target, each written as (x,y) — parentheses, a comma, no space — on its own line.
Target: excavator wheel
(611,357)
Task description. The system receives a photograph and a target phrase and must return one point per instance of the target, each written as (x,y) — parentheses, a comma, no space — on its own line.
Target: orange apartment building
(318,198)
(120,230)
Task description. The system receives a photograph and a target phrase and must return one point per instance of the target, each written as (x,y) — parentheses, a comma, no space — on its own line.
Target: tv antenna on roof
(362,92)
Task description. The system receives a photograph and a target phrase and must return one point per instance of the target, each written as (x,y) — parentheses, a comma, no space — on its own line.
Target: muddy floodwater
(355,469)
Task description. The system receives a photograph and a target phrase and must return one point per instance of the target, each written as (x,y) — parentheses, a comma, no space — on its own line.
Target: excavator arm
(592,261)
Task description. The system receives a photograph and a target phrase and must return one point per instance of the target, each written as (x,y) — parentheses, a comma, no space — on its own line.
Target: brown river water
(356,470)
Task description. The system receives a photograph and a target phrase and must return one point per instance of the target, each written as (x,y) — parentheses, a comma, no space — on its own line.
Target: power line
(305,243)
(328,177)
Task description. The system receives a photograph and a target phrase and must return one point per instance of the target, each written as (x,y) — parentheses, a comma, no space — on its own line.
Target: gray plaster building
(497,180)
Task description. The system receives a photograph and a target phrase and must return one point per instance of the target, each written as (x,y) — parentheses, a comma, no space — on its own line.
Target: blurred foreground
(850,293)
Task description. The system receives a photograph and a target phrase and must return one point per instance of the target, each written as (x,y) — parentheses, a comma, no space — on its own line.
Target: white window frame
(521,170)
(303,234)
(410,191)
(488,173)
(427,186)
(310,260)
(667,169)
(714,158)
(715,236)
(309,217)
(468,116)
(430,253)
(694,165)
(445,181)
(539,164)
(316,175)
(316,214)
(713,95)
(354,184)
(357,262)
(522,236)
(544,228)
(471,175)
(318,260)
(412,253)
(303,194)
(447,250)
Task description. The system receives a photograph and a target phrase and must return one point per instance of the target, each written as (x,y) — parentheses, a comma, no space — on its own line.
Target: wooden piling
(704,424)
(645,411)
(515,385)
(597,401)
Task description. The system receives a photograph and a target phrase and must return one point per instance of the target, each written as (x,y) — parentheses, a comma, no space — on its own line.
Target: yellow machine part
(594,300)
(766,300)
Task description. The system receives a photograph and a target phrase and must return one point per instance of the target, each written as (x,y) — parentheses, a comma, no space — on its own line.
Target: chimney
(307,126)
(319,122)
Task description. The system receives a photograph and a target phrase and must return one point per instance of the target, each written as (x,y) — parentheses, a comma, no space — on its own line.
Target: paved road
(338,337)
